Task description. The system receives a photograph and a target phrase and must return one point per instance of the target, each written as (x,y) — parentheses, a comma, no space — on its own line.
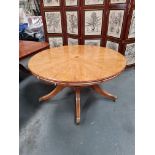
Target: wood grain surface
(77,65)
(27,48)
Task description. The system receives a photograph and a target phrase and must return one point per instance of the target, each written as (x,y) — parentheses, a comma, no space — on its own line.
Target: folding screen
(108,23)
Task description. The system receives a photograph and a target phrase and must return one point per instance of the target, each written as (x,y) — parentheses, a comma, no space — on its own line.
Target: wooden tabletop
(27,48)
(77,65)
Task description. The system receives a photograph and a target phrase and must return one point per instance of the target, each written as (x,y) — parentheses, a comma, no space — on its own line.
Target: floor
(106,128)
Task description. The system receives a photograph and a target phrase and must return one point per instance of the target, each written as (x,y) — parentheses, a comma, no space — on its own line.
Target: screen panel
(130,53)
(132,26)
(51,2)
(72,22)
(93,22)
(93,2)
(95,42)
(72,41)
(53,22)
(112,45)
(117,1)
(55,41)
(115,23)
(71,2)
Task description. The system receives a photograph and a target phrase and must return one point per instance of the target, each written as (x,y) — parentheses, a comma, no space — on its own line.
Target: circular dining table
(77,66)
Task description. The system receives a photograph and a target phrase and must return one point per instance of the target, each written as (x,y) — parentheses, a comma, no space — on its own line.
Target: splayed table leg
(52,93)
(103,92)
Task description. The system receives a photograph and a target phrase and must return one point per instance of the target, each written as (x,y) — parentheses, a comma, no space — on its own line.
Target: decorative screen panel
(53,22)
(112,45)
(95,42)
(107,23)
(130,53)
(72,22)
(92,2)
(93,22)
(117,1)
(71,2)
(51,2)
(72,41)
(115,23)
(132,26)
(55,41)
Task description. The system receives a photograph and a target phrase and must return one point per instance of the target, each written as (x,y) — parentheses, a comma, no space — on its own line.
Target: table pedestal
(96,88)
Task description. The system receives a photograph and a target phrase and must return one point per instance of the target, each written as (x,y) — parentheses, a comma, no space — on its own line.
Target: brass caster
(40,99)
(77,121)
(115,99)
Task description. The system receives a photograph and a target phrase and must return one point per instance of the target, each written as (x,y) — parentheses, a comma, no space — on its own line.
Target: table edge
(47,46)
(78,83)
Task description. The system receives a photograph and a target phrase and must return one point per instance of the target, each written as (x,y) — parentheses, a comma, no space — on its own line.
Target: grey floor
(106,128)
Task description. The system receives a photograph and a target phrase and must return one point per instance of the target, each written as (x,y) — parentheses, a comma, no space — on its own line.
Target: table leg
(104,93)
(51,94)
(77,105)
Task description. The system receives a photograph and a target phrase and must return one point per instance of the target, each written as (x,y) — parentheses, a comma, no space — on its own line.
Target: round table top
(77,65)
